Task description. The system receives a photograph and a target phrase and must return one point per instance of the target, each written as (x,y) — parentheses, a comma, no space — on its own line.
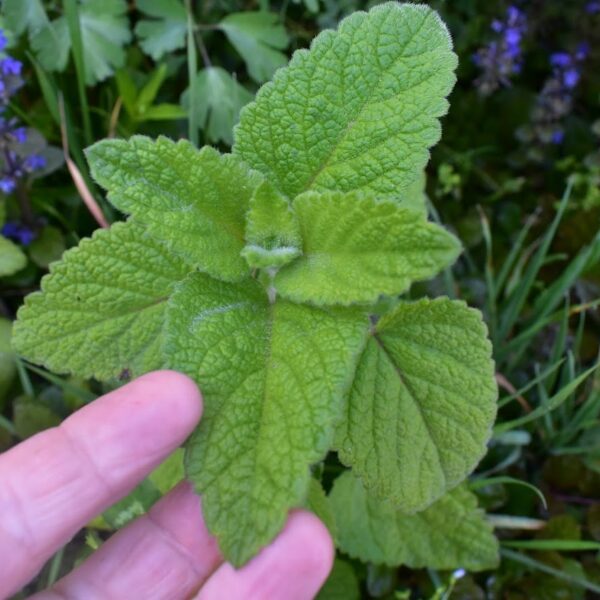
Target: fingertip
(311,534)
(184,397)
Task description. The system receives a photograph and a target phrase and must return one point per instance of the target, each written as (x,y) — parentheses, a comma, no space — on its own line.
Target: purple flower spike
(592,8)
(20,134)
(502,57)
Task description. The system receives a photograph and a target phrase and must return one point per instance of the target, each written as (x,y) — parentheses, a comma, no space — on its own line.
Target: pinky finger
(293,567)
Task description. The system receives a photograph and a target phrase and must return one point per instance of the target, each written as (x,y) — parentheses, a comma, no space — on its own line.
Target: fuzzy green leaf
(195,201)
(272,377)
(450,534)
(219,101)
(258,37)
(359,111)
(101,309)
(422,404)
(356,248)
(12,258)
(165,32)
(272,231)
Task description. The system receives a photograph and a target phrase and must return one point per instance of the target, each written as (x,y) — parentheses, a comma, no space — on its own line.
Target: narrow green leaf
(359,110)
(273,378)
(552,403)
(259,38)
(422,404)
(450,534)
(554,545)
(503,479)
(195,201)
(272,232)
(100,311)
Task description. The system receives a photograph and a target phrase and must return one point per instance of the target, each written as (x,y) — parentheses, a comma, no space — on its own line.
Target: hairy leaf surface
(195,201)
(356,248)
(450,534)
(422,403)
(101,309)
(359,110)
(272,230)
(272,377)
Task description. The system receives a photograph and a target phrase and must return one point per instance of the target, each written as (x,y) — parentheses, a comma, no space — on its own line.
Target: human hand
(55,482)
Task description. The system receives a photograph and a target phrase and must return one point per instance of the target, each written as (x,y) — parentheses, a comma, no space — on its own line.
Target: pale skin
(55,482)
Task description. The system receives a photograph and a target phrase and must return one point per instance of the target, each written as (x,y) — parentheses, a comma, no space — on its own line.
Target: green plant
(260,274)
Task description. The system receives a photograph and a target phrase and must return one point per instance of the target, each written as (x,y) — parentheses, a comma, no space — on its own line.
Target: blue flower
(3,40)
(560,59)
(34,162)
(10,66)
(592,8)
(7,185)
(19,233)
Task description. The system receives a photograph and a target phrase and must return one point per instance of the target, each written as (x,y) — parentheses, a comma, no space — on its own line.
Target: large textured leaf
(219,99)
(356,248)
(12,258)
(272,231)
(166,31)
(101,309)
(422,403)
(259,38)
(195,201)
(272,377)
(359,110)
(450,534)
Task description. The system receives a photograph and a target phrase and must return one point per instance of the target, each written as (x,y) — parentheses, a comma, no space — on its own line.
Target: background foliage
(516,177)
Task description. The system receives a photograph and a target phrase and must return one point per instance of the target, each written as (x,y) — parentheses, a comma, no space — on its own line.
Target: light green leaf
(450,534)
(422,404)
(195,201)
(258,37)
(318,503)
(100,311)
(12,258)
(166,31)
(220,99)
(104,31)
(415,196)
(51,45)
(169,473)
(272,231)
(272,377)
(342,583)
(359,110)
(356,248)
(22,15)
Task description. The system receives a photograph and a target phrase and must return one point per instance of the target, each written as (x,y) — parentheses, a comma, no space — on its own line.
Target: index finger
(55,482)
